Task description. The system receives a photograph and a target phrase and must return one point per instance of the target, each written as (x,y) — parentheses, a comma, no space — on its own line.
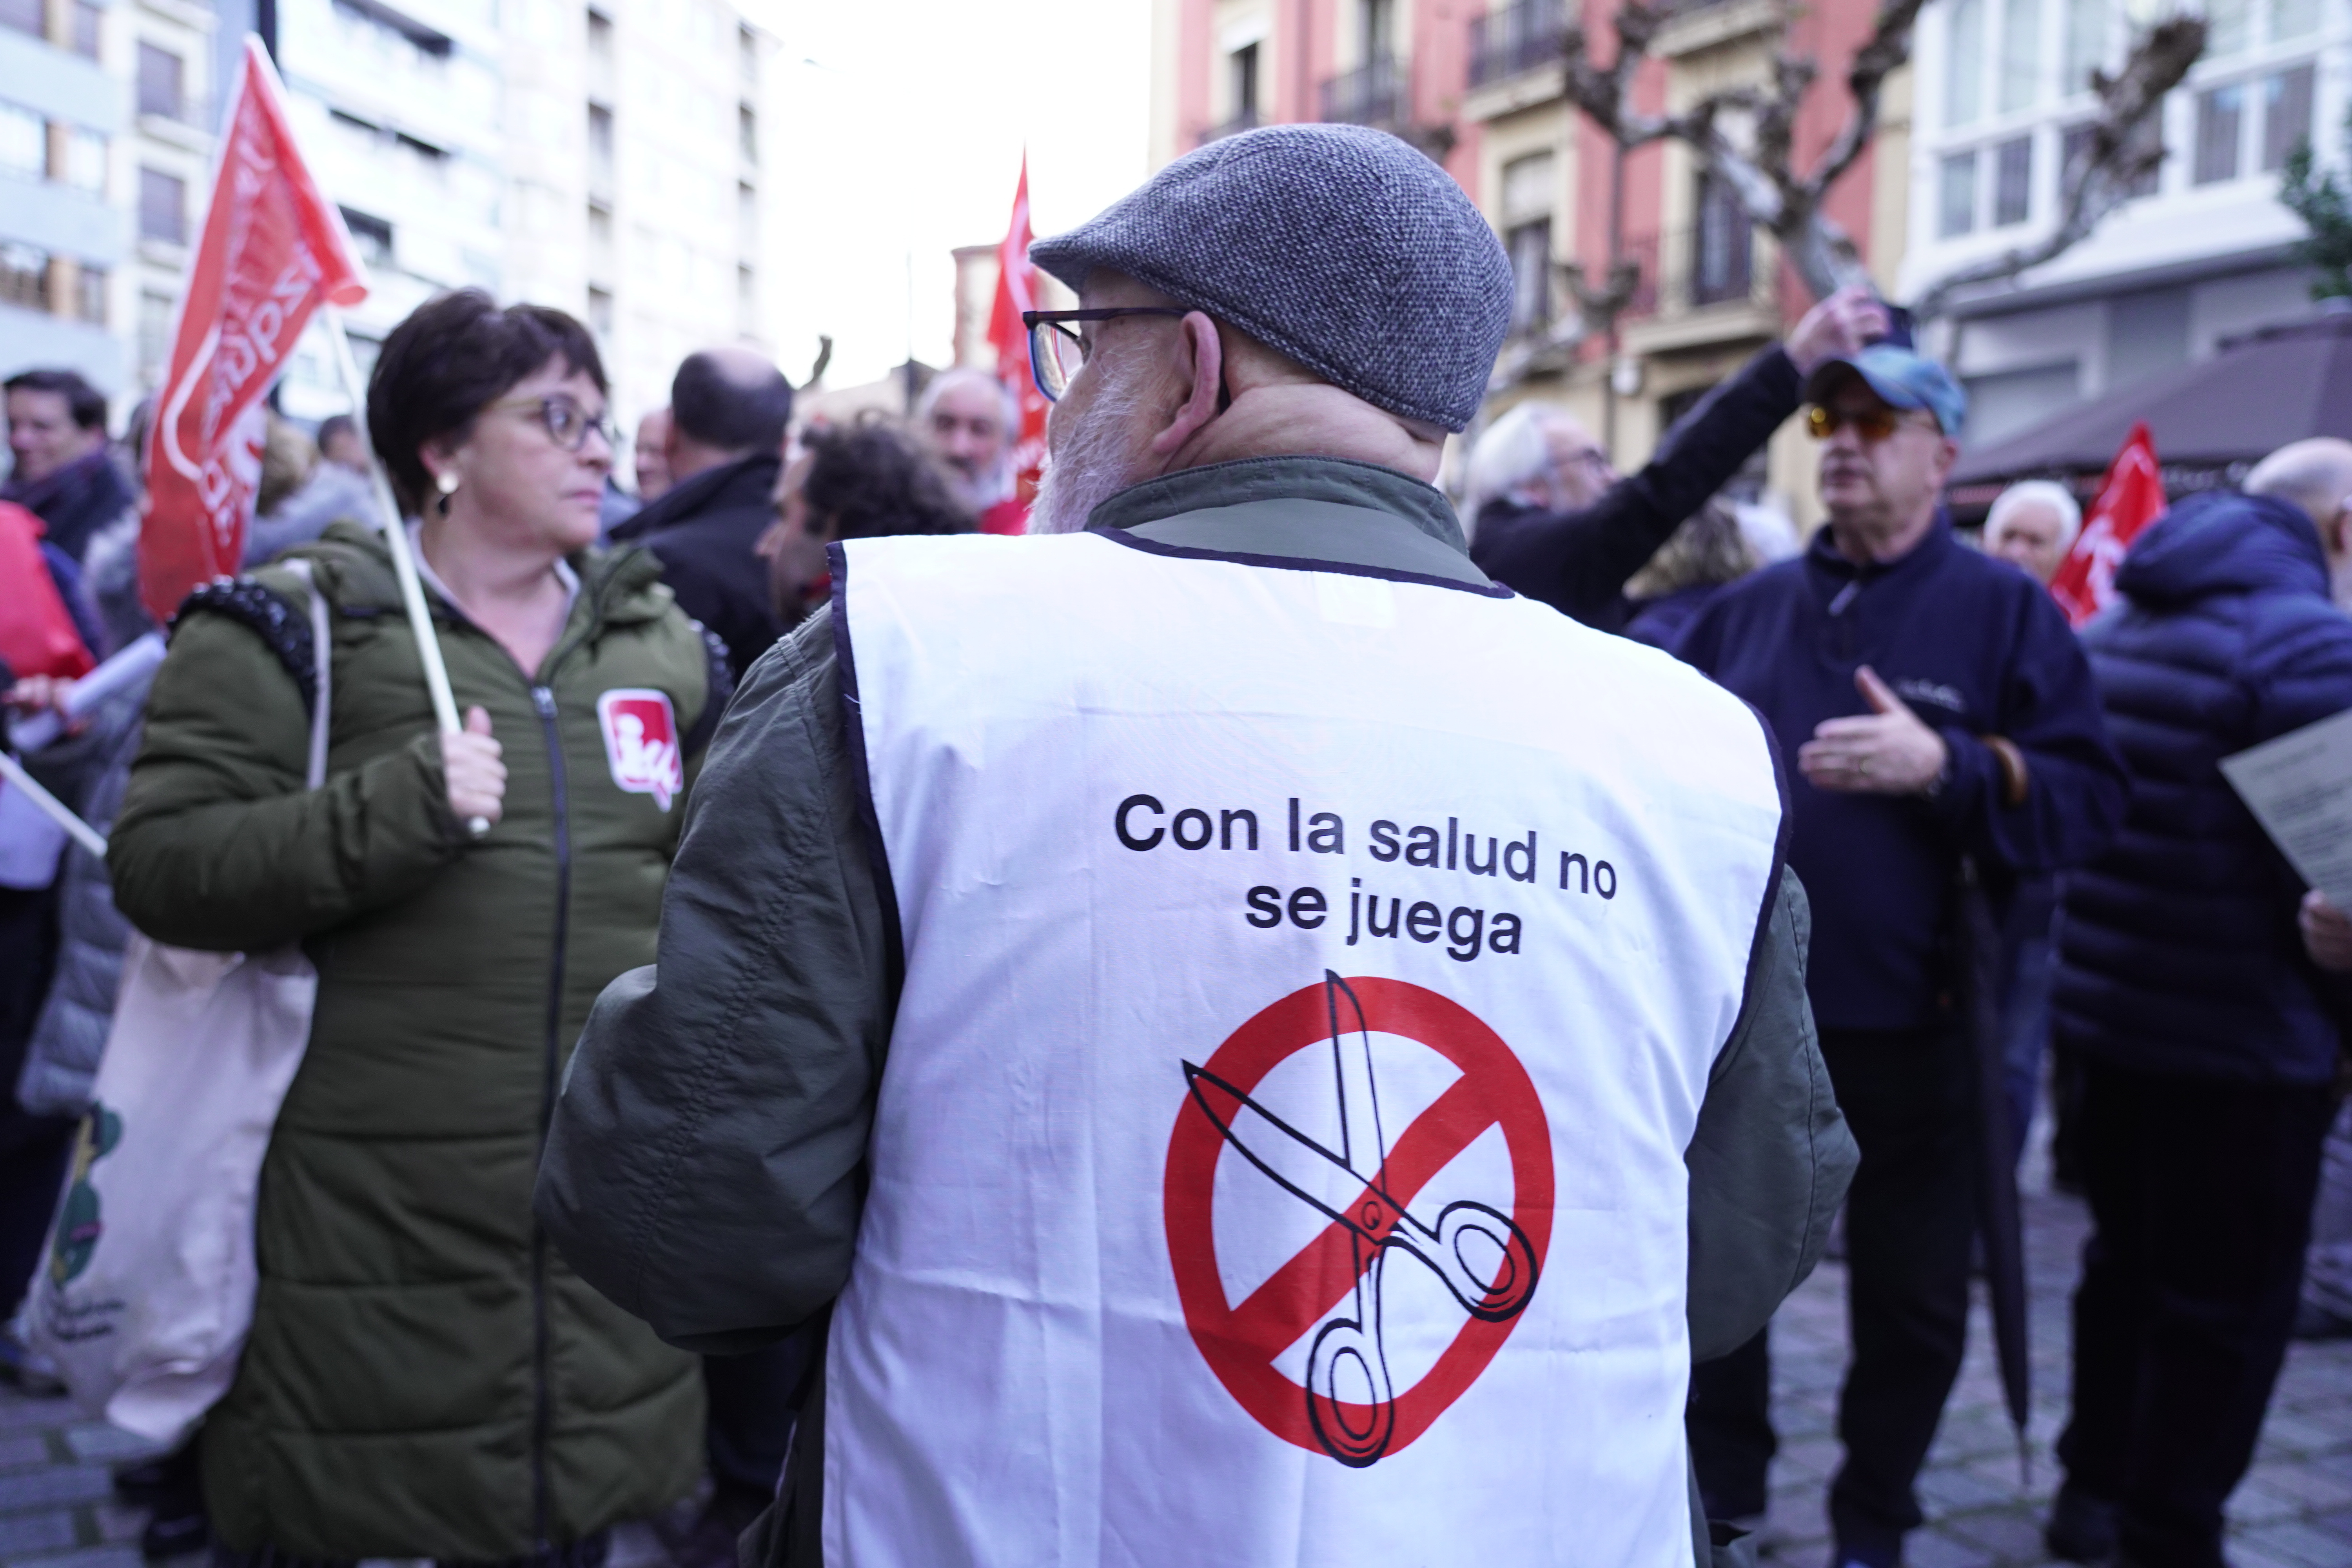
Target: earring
(447,483)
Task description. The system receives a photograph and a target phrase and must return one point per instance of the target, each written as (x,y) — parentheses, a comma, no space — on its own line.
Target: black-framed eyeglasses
(1057,351)
(568,424)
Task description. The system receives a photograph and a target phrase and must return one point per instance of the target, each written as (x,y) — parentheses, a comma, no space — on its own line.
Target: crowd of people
(743,1052)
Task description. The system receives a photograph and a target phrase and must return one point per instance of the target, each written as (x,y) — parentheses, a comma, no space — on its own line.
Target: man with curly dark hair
(854,481)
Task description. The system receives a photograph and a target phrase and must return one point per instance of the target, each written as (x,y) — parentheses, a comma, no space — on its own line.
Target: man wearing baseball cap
(1937,707)
(1239,1039)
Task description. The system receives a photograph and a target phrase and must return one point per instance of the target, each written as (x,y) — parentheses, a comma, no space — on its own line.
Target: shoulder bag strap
(322,674)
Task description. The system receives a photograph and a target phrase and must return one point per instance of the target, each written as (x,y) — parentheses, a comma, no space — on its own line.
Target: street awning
(2210,420)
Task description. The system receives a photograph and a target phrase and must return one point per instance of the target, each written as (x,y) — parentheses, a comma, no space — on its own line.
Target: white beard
(1097,461)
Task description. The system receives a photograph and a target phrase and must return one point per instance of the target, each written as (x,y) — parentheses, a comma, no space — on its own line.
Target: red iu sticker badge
(1487,1257)
(641,743)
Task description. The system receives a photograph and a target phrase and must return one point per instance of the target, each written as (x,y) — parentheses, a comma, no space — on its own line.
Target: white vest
(1311,981)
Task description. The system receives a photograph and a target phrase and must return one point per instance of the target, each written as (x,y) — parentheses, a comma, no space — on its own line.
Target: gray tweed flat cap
(1339,246)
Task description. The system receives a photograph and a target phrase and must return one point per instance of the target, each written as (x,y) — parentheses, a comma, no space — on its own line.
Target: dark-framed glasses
(567,424)
(1057,350)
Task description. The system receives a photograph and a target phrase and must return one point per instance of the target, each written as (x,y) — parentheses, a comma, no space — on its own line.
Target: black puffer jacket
(2179,947)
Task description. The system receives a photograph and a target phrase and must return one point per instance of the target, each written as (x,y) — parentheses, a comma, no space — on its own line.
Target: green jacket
(425,1378)
(706,1163)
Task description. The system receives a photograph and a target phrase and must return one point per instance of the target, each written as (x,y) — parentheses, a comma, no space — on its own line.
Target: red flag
(1015,293)
(272,251)
(2130,498)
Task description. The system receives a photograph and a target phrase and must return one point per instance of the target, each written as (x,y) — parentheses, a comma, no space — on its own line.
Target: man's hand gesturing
(1887,752)
(477,778)
(1844,324)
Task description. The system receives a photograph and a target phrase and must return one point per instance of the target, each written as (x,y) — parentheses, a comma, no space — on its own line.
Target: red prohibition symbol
(1491,1261)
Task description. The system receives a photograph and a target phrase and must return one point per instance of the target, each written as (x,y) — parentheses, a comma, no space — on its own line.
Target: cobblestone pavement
(2294,1511)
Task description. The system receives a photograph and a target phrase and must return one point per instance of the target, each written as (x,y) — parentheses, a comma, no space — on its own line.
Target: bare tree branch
(2124,145)
(1747,137)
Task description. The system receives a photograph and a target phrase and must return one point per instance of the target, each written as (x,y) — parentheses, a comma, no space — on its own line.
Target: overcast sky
(904,123)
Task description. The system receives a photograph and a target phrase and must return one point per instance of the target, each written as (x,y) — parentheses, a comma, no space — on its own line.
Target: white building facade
(106,138)
(2201,256)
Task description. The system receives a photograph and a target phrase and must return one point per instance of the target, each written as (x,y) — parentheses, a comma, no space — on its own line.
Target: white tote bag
(145,1295)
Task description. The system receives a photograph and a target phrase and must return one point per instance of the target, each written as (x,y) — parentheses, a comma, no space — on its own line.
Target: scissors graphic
(1483,1258)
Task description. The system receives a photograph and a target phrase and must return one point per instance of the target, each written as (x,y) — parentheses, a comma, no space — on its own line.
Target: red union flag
(273,251)
(2130,498)
(1017,293)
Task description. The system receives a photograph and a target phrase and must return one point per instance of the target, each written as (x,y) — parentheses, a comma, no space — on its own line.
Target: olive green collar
(1300,508)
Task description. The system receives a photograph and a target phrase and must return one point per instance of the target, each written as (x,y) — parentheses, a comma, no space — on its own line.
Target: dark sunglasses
(1873,426)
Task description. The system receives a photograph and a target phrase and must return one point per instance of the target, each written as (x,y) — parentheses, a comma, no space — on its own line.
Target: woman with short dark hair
(850,481)
(425,1377)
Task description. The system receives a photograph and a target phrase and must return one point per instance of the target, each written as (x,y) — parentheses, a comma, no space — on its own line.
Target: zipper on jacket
(542,698)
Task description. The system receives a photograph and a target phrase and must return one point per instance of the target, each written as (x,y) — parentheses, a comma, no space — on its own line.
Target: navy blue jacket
(2178,950)
(1975,648)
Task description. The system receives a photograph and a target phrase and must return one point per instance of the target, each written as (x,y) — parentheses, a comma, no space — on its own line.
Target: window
(2219,113)
(600,240)
(25,277)
(600,34)
(90,295)
(2293,19)
(24,143)
(600,312)
(746,127)
(1242,76)
(163,206)
(24,15)
(600,148)
(1526,237)
(1720,266)
(159,82)
(86,163)
(747,54)
(2229,26)
(85,29)
(370,237)
(154,335)
(1955,195)
(1530,244)
(1964,63)
(2086,44)
(2286,115)
(747,299)
(1376,25)
(746,219)
(2021,54)
(2013,181)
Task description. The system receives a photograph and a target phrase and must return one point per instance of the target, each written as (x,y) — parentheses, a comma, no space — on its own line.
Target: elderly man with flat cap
(1240,1039)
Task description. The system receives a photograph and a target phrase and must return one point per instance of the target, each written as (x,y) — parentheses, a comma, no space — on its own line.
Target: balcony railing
(1248,120)
(1371,94)
(1523,36)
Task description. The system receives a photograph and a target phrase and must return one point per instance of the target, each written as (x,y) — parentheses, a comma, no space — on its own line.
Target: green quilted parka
(425,1378)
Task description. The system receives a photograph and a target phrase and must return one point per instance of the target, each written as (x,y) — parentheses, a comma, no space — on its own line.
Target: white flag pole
(86,836)
(395,537)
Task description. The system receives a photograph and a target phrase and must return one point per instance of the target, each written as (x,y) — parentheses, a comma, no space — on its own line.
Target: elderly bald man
(1551,517)
(723,450)
(2209,1038)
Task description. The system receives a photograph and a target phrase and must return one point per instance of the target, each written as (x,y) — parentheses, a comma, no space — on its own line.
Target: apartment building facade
(2200,254)
(604,156)
(106,128)
(1482,92)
